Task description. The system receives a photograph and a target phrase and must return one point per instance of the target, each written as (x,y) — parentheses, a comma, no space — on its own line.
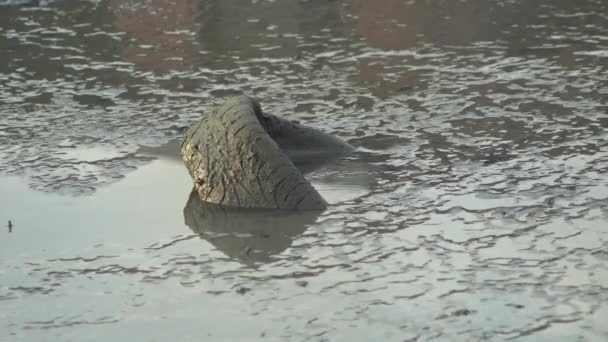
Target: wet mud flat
(475,206)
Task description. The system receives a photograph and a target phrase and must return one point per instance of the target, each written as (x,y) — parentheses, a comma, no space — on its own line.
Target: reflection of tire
(249,235)
(238,156)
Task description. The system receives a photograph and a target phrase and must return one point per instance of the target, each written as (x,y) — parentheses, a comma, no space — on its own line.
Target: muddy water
(476,206)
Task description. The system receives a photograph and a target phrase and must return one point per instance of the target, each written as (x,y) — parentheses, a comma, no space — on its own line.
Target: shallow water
(475,207)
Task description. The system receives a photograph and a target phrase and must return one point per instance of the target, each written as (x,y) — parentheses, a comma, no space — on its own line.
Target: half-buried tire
(238,157)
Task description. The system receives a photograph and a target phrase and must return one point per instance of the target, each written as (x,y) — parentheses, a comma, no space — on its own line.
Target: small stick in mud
(10,226)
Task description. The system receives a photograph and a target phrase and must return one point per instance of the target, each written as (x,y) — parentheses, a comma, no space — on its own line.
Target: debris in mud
(495,158)
(462,312)
(405,88)
(242,290)
(10,226)
(457,313)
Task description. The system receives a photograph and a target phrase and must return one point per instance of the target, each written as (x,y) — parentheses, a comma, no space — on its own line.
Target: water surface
(475,207)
